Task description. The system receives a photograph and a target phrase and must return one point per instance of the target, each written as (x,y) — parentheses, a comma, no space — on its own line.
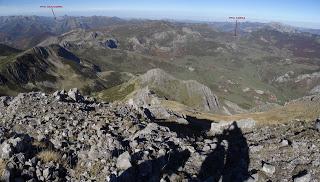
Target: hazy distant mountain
(246,27)
(310,30)
(27,31)
(242,26)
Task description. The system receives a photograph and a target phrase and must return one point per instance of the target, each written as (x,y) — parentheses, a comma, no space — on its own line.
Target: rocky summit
(69,137)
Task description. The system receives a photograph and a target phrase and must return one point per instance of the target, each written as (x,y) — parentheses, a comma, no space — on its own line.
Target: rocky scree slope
(68,137)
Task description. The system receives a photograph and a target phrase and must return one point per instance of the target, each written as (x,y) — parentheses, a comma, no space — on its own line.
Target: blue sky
(295,12)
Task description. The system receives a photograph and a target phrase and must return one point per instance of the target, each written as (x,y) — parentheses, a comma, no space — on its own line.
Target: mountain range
(266,63)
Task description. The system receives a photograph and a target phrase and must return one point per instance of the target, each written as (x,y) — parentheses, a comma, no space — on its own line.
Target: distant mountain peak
(282,27)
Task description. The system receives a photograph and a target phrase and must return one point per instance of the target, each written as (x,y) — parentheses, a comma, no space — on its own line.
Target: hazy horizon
(294,12)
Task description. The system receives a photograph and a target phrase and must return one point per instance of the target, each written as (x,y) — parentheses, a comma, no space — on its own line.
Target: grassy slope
(115,93)
(306,111)
(7,50)
(212,71)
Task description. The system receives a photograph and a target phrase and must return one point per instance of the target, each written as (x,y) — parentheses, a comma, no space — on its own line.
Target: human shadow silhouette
(196,128)
(229,162)
(212,167)
(153,170)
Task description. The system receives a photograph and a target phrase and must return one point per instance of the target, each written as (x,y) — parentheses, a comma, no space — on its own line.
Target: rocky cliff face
(69,137)
(190,92)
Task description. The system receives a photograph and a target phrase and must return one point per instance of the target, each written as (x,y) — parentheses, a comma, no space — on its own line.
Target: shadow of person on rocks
(229,161)
(153,170)
(212,167)
(196,128)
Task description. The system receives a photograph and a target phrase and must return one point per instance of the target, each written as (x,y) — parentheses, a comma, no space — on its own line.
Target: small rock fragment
(268,168)
(123,161)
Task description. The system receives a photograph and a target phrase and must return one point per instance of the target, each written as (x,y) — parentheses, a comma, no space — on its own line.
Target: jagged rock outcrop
(80,38)
(57,138)
(150,105)
(162,84)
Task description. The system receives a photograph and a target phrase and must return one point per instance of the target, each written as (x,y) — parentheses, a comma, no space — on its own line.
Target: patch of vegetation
(7,50)
(94,171)
(114,79)
(177,91)
(47,156)
(39,145)
(116,93)
(6,60)
(11,89)
(3,165)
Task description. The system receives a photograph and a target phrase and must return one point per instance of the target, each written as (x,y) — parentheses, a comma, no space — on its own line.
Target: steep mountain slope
(158,82)
(46,68)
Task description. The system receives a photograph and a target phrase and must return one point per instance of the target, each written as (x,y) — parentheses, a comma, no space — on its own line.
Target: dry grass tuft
(3,165)
(39,144)
(49,155)
(94,170)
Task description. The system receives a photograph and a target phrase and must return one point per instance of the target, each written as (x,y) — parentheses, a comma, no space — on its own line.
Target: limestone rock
(75,95)
(268,168)
(123,161)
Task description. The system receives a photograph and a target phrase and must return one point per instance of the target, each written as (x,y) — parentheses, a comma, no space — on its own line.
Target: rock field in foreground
(68,137)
